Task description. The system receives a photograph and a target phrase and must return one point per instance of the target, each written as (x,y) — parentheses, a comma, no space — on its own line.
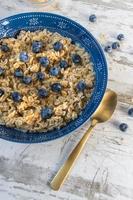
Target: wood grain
(105,168)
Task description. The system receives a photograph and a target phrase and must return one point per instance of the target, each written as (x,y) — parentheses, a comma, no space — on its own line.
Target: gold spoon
(102,114)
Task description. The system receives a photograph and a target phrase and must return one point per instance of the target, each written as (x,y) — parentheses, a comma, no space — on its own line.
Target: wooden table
(105,168)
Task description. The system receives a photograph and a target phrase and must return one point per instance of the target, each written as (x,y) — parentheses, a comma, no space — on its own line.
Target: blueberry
(18,73)
(16,96)
(5,48)
(92,18)
(56,87)
(16,34)
(123,127)
(130,112)
(1,92)
(37,46)
(46,113)
(23,56)
(63,64)
(108,48)
(54,71)
(27,80)
(40,76)
(44,61)
(58,46)
(115,45)
(81,86)
(72,42)
(42,93)
(76,59)
(120,37)
(2,71)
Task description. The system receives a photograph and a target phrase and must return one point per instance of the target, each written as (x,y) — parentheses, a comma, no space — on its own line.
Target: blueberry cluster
(123,126)
(25,79)
(114,45)
(37,47)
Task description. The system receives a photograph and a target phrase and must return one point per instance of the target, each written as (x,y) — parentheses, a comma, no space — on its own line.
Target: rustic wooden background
(105,168)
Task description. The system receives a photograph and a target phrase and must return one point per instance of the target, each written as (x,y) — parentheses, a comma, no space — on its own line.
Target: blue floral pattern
(37,20)
(33,22)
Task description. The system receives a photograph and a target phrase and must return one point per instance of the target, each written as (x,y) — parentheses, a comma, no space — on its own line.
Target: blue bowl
(10,27)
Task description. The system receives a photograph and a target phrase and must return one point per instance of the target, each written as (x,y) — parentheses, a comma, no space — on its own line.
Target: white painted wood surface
(105,168)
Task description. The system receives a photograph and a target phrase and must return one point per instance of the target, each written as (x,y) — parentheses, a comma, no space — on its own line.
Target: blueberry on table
(63,64)
(18,73)
(130,112)
(44,61)
(23,56)
(40,76)
(46,113)
(123,127)
(2,71)
(108,48)
(16,96)
(115,45)
(27,80)
(42,93)
(54,71)
(76,59)
(56,87)
(58,46)
(5,48)
(37,46)
(120,37)
(1,92)
(92,18)
(81,86)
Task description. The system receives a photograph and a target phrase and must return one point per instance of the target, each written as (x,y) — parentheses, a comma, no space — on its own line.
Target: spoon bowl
(106,107)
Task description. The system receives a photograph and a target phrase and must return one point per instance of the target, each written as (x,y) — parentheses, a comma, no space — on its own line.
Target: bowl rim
(53,137)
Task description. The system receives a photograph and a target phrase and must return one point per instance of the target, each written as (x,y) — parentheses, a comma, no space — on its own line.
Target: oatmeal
(45,80)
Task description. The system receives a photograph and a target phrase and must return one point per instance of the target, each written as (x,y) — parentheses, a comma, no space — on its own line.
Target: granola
(45,80)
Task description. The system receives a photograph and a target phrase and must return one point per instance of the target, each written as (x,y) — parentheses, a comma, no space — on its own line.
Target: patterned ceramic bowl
(37,20)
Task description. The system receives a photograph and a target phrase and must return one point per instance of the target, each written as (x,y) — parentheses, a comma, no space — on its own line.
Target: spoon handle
(63,172)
